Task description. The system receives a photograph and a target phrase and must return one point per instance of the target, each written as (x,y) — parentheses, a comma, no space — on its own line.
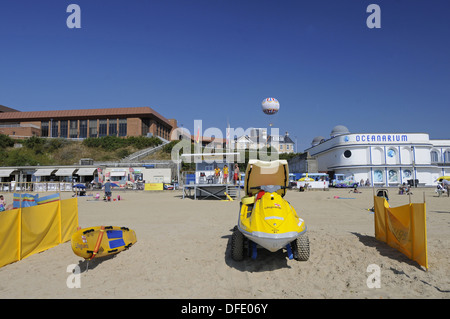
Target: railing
(36,187)
(61,186)
(143,153)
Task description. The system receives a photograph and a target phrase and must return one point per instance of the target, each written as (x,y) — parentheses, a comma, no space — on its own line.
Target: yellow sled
(266,218)
(101,241)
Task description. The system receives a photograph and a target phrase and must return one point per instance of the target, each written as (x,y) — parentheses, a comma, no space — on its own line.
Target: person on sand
(401,189)
(440,189)
(108,193)
(355,189)
(408,189)
(3,205)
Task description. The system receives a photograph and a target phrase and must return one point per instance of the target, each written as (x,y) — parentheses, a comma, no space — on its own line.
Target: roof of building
(339,130)
(285,139)
(317,140)
(7,109)
(88,113)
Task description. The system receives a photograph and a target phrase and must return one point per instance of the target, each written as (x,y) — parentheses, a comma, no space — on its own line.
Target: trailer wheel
(300,248)
(237,245)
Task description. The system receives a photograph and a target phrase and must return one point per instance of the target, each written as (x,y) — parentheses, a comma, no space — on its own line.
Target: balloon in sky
(270,106)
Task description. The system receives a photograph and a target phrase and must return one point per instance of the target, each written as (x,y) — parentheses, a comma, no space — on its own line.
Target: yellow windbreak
(403,228)
(29,230)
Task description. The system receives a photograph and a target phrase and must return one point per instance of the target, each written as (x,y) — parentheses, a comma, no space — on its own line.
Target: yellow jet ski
(266,218)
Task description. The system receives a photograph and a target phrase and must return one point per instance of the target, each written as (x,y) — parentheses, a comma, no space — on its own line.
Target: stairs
(234,191)
(136,156)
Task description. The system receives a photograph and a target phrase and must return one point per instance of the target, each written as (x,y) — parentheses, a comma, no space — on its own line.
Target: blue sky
(217,60)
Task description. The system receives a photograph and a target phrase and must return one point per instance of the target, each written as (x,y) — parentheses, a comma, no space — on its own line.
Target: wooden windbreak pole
(425,231)
(411,227)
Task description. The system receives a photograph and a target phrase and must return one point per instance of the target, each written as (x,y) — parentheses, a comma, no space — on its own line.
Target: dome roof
(339,130)
(317,140)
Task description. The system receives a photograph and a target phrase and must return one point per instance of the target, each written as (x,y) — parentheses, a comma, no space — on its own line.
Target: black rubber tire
(237,245)
(300,248)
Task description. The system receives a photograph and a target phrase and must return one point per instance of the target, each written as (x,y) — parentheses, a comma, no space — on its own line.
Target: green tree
(6,141)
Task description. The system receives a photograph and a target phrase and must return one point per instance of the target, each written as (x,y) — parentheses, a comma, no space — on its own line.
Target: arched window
(391,156)
(391,153)
(447,157)
(377,156)
(434,157)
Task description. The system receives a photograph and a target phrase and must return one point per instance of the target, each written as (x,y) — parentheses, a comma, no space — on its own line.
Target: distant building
(303,163)
(243,143)
(385,159)
(285,143)
(256,139)
(83,123)
(259,138)
(17,130)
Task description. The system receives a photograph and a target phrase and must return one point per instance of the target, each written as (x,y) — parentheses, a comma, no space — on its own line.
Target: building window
(393,176)
(347,154)
(63,129)
(83,128)
(447,157)
(44,128)
(112,127)
(391,153)
(377,176)
(407,174)
(55,125)
(92,128)
(434,157)
(102,127)
(122,127)
(73,130)
(145,126)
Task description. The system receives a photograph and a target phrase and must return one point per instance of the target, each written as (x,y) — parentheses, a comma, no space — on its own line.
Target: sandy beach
(183,251)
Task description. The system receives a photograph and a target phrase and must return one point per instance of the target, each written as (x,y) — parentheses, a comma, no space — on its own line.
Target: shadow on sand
(265,260)
(86,265)
(384,249)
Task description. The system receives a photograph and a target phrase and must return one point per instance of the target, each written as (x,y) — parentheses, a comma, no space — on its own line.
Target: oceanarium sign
(379,138)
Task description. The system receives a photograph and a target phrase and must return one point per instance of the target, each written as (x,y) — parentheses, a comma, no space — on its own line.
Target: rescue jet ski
(266,219)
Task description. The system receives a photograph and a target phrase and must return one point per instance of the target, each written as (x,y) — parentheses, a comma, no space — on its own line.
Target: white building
(283,142)
(256,139)
(386,159)
(259,138)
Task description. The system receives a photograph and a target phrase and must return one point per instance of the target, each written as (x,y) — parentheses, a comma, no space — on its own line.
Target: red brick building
(83,123)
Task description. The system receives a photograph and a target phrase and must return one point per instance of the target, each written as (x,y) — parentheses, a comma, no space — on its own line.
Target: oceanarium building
(385,159)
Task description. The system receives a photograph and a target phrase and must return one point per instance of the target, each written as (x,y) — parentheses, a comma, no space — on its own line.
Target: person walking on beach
(108,193)
(236,174)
